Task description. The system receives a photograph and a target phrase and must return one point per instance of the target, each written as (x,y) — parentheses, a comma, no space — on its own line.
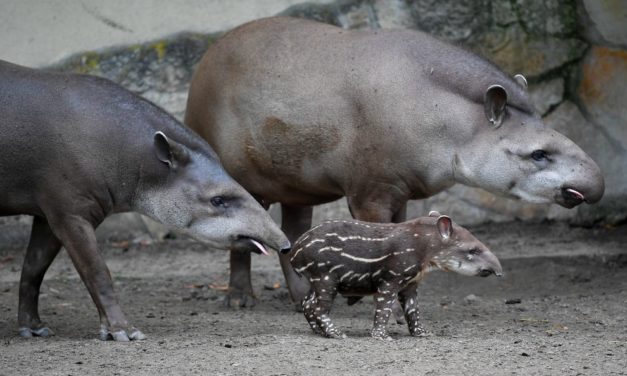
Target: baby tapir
(356,258)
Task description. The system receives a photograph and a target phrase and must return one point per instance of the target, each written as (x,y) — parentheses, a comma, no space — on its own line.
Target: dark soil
(561,308)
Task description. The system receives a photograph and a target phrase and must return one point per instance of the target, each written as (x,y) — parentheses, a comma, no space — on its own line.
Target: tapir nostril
(486,272)
(285,250)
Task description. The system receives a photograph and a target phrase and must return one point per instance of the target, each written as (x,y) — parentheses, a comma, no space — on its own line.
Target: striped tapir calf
(357,258)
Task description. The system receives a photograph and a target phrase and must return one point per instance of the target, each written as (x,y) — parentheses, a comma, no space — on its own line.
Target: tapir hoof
(26,332)
(380,335)
(420,332)
(238,299)
(122,335)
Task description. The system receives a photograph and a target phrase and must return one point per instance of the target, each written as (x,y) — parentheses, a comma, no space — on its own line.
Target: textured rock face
(572,52)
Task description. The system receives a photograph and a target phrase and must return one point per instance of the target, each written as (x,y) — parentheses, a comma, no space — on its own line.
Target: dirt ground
(571,319)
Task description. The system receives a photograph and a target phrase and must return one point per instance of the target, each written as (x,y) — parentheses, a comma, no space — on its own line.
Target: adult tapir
(76,148)
(303,113)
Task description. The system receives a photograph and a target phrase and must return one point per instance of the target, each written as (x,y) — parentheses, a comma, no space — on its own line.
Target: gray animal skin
(355,259)
(76,148)
(303,113)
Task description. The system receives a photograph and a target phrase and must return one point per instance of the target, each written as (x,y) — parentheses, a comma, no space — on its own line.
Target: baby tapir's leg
(384,301)
(325,292)
(408,299)
(309,305)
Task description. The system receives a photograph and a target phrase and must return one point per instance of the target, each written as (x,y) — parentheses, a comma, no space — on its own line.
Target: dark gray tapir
(303,113)
(76,148)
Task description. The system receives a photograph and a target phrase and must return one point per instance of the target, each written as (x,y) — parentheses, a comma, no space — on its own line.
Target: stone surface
(546,95)
(608,19)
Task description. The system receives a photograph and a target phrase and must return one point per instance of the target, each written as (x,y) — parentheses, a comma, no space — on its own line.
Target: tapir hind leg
(78,236)
(43,247)
(295,220)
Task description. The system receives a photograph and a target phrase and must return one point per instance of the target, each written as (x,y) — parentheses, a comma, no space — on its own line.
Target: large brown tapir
(76,148)
(303,113)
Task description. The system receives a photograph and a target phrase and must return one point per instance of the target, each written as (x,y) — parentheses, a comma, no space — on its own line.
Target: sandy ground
(571,319)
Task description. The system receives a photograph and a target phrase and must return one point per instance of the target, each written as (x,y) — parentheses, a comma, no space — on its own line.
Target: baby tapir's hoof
(335,333)
(121,335)
(381,334)
(26,332)
(420,332)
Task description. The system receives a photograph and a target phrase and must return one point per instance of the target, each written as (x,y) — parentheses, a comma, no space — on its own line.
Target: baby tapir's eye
(218,202)
(474,251)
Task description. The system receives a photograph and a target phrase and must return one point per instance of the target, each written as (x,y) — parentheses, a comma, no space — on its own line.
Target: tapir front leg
(240,292)
(384,300)
(295,220)
(43,247)
(409,302)
(78,237)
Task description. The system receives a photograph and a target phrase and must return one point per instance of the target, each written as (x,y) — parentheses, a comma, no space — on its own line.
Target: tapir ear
(522,81)
(434,213)
(494,104)
(169,151)
(445,226)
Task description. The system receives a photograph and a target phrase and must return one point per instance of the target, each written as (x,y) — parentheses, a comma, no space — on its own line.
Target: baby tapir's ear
(169,151)
(434,213)
(445,226)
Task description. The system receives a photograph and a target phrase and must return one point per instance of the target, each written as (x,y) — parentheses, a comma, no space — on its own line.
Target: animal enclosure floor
(571,319)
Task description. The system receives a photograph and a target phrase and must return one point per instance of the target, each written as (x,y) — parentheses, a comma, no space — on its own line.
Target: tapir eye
(218,201)
(539,155)
(474,251)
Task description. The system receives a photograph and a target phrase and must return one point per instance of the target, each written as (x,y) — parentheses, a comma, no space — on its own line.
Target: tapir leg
(399,217)
(384,300)
(322,302)
(295,220)
(240,292)
(409,301)
(309,309)
(43,247)
(78,236)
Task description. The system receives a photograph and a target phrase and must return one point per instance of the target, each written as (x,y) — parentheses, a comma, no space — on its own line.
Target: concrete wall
(574,54)
(41,32)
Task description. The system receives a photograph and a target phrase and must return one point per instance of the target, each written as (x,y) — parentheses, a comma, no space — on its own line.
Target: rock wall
(573,53)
